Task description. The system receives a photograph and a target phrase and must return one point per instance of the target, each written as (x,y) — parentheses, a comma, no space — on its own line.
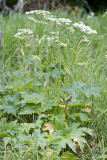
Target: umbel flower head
(59,21)
(28,31)
(23,31)
(39,12)
(84,28)
(48,17)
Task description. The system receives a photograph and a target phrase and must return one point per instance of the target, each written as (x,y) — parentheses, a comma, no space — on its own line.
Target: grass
(58,66)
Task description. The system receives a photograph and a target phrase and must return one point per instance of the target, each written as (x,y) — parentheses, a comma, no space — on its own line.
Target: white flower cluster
(64,20)
(61,44)
(36,21)
(39,12)
(59,21)
(41,39)
(51,38)
(84,28)
(84,39)
(70,29)
(28,31)
(49,17)
(22,31)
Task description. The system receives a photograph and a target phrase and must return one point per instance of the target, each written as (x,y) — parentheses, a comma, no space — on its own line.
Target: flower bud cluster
(84,28)
(23,31)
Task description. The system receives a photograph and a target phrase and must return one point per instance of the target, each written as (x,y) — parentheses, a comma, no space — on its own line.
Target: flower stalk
(66,106)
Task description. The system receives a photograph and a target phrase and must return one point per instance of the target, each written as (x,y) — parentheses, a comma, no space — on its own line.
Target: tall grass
(84,62)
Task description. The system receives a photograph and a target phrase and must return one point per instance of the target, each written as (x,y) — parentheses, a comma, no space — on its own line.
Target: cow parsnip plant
(44,118)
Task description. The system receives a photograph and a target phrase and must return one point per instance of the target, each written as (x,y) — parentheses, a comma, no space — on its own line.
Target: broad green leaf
(68,156)
(82,117)
(48,105)
(40,139)
(10,109)
(71,136)
(25,127)
(71,144)
(89,90)
(27,110)
(33,97)
(39,121)
(55,73)
(78,87)
(6,140)
(59,143)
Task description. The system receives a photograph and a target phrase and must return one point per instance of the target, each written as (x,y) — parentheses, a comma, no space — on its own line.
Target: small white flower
(47,15)
(64,20)
(51,38)
(61,44)
(51,18)
(28,31)
(39,12)
(71,29)
(84,39)
(42,38)
(62,106)
(21,32)
(84,28)
(58,21)
(17,34)
(67,23)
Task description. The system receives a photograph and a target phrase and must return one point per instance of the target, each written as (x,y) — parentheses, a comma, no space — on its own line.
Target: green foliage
(68,156)
(53,106)
(28,108)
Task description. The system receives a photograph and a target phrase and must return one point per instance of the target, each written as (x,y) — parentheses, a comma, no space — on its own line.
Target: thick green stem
(76,48)
(40,56)
(58,91)
(60,58)
(46,93)
(66,116)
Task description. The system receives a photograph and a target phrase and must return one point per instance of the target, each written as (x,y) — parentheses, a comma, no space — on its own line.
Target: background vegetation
(54,103)
(89,5)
